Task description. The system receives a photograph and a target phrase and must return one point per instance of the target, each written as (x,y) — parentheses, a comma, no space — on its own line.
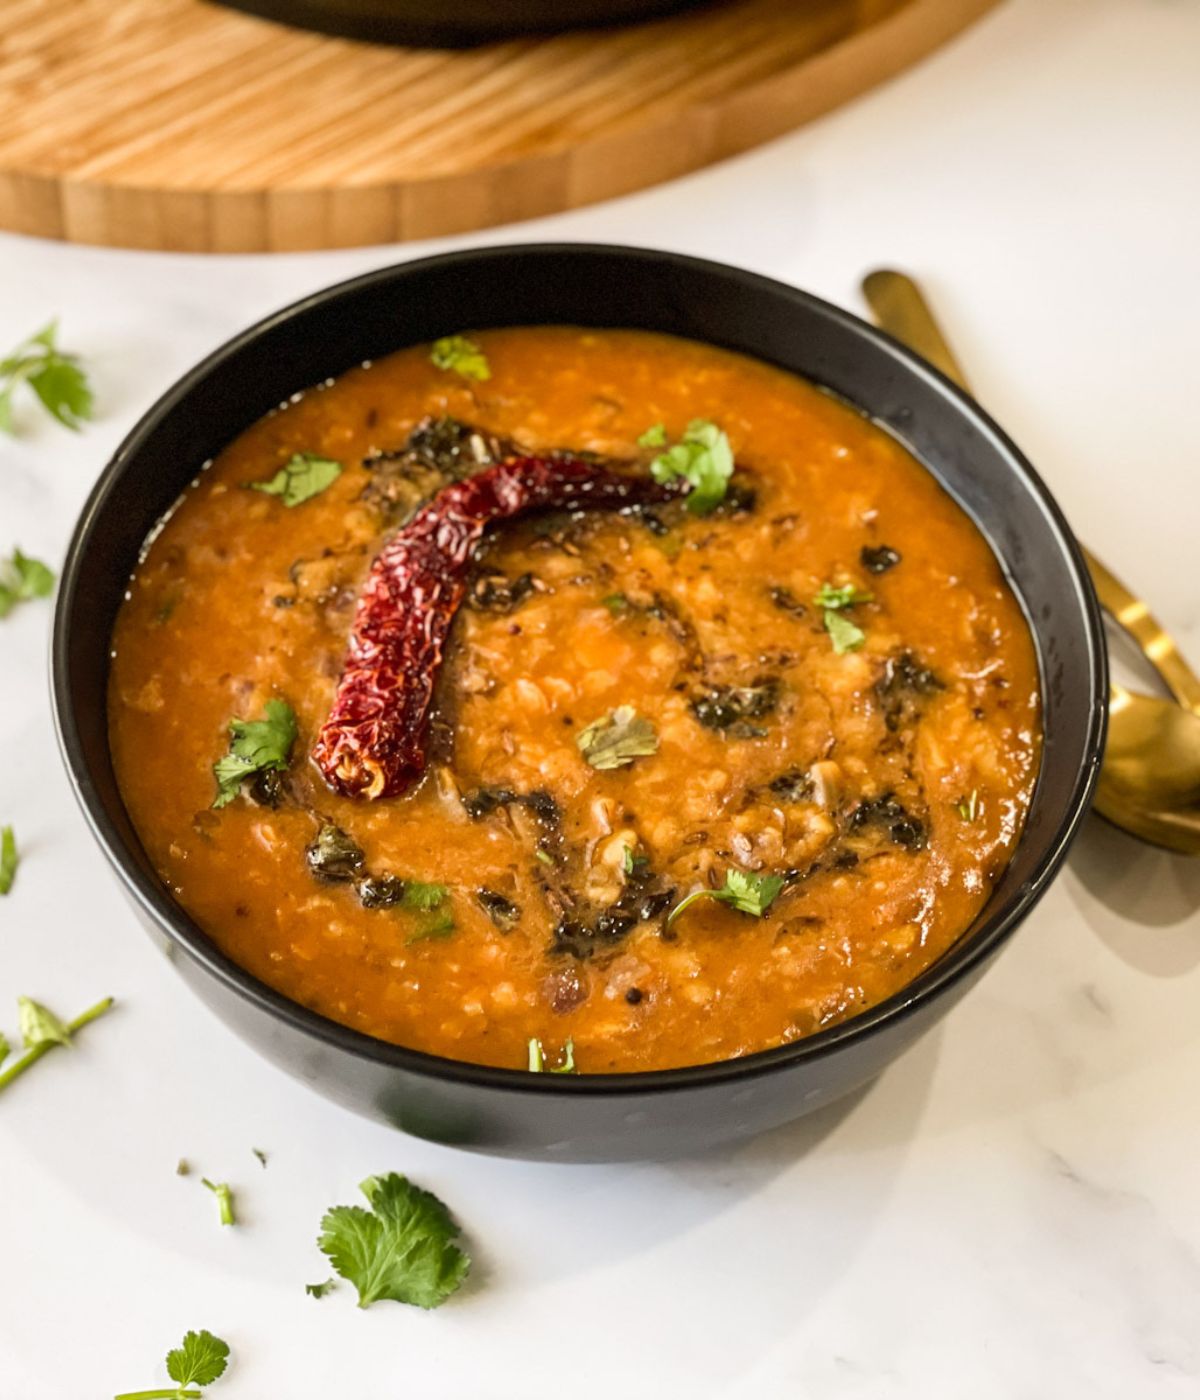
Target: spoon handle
(900,308)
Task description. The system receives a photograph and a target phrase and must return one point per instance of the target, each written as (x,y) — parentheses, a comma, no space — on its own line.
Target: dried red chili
(374,741)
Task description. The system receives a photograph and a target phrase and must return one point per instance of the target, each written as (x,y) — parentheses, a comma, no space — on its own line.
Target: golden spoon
(1150,779)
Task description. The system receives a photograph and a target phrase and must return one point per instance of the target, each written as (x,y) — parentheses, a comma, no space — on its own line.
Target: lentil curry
(801,687)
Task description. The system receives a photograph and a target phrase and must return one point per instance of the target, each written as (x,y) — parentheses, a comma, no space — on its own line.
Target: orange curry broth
(240,599)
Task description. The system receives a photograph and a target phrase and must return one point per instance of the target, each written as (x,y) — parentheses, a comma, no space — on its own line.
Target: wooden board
(179,124)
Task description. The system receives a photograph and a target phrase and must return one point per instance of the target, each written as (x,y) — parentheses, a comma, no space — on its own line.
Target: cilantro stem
(224,1194)
(690,899)
(179,1393)
(32,1056)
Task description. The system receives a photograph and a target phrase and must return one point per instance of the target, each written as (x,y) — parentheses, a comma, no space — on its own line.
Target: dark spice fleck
(633,996)
(792,786)
(502,912)
(879,558)
(496,594)
(786,601)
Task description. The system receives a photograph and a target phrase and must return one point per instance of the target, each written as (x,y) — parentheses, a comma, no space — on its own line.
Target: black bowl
(621,1115)
(452,23)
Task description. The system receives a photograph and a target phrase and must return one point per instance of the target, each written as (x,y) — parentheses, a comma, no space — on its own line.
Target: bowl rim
(972,949)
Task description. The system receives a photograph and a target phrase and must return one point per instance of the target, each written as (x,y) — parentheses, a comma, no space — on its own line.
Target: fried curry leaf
(617,739)
(255,746)
(704,458)
(54,376)
(402,1248)
(23,578)
(300,479)
(9,859)
(462,356)
(743,890)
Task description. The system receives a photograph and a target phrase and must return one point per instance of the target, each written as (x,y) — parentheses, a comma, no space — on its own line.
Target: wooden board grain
(181,125)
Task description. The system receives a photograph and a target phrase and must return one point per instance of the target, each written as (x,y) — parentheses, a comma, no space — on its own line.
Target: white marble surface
(1012,1210)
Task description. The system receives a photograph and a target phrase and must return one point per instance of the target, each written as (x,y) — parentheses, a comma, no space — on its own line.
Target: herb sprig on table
(402,1248)
(54,375)
(41,1031)
(199,1360)
(22,579)
(9,858)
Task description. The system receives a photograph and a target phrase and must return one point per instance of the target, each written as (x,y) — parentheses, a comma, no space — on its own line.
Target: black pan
(563,1117)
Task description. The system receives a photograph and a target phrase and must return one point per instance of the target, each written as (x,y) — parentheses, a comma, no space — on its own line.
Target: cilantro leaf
(440,926)
(843,633)
(54,376)
(418,895)
(537,1056)
(300,479)
(9,859)
(617,739)
(39,1025)
(654,436)
(743,890)
(402,1248)
(968,808)
(255,746)
(319,1290)
(703,456)
(462,356)
(23,578)
(199,1359)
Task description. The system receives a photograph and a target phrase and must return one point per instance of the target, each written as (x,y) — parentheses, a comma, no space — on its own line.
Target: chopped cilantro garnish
(462,356)
(537,1057)
(423,896)
(319,1290)
(23,578)
(544,856)
(631,862)
(261,1155)
(224,1194)
(53,375)
(401,1248)
(615,603)
(654,436)
(41,1031)
(844,634)
(743,890)
(199,1360)
(9,859)
(300,479)
(617,739)
(968,808)
(440,926)
(704,458)
(255,746)
(5,1048)
(831,595)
